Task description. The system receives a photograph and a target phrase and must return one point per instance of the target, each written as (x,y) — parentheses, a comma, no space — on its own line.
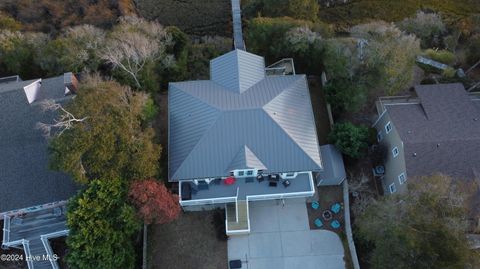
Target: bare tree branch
(65,121)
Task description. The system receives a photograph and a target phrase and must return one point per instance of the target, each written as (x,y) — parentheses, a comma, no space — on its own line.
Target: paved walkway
(281,238)
(237,25)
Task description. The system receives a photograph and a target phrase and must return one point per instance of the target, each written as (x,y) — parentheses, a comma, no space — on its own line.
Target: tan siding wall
(393,166)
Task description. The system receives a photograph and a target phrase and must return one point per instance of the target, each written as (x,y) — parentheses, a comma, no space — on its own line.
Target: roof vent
(409,131)
(414,154)
(475,119)
(438,145)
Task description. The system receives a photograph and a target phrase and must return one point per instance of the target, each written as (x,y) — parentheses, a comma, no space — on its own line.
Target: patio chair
(272,184)
(318,223)
(315,205)
(336,208)
(202,185)
(186,191)
(260,178)
(335,224)
(286,183)
(235,264)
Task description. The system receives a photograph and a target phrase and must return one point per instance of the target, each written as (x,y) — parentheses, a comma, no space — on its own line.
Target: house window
(392,188)
(395,152)
(379,136)
(241,173)
(402,178)
(249,172)
(388,127)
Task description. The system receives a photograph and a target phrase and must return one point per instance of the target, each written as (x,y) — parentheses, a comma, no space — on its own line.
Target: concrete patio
(281,238)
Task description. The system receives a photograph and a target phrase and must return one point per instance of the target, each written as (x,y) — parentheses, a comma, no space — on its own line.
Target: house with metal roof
(240,137)
(436,130)
(32,197)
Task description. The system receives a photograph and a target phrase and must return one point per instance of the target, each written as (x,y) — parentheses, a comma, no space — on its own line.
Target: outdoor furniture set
(327,215)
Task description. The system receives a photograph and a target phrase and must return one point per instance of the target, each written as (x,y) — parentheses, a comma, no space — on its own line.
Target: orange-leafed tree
(155,204)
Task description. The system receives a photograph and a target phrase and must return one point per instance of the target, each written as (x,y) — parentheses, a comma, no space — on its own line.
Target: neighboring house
(32,197)
(242,126)
(435,131)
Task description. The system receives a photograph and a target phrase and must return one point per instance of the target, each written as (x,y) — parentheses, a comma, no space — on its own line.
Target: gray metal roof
(25,179)
(271,121)
(237,70)
(442,133)
(333,169)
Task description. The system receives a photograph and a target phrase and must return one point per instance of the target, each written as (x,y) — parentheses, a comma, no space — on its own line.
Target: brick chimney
(70,81)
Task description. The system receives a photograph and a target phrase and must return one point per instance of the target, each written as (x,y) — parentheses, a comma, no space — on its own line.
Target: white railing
(28,254)
(32,209)
(210,201)
(6,230)
(48,248)
(236,205)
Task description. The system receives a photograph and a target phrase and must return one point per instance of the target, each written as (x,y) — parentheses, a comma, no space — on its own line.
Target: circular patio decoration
(327,215)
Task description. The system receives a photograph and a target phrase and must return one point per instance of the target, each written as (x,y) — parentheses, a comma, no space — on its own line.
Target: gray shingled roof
(241,118)
(25,179)
(443,131)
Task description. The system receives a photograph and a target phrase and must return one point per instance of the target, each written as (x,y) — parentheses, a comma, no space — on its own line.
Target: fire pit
(327,215)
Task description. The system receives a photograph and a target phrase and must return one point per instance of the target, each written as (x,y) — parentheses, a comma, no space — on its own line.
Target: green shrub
(473,49)
(266,36)
(449,72)
(9,23)
(350,139)
(298,9)
(443,56)
(102,225)
(428,27)
(150,110)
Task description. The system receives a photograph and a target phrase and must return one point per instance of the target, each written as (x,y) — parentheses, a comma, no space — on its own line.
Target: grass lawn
(188,242)
(393,10)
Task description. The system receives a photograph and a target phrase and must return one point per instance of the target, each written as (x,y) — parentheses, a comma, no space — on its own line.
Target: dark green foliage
(298,9)
(345,95)
(218,221)
(150,110)
(102,226)
(9,23)
(18,53)
(355,12)
(111,142)
(443,56)
(179,49)
(428,27)
(200,54)
(473,50)
(266,36)
(424,228)
(350,139)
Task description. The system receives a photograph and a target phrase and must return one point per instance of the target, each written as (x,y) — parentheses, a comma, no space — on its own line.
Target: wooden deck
(29,228)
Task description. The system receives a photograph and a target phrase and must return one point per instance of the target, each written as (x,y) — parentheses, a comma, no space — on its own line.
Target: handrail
(6,229)
(28,254)
(236,205)
(49,249)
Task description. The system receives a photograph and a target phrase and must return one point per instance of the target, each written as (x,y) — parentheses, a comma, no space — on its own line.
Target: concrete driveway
(280,238)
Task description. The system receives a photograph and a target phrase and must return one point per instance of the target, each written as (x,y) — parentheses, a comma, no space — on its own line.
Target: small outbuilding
(334,170)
